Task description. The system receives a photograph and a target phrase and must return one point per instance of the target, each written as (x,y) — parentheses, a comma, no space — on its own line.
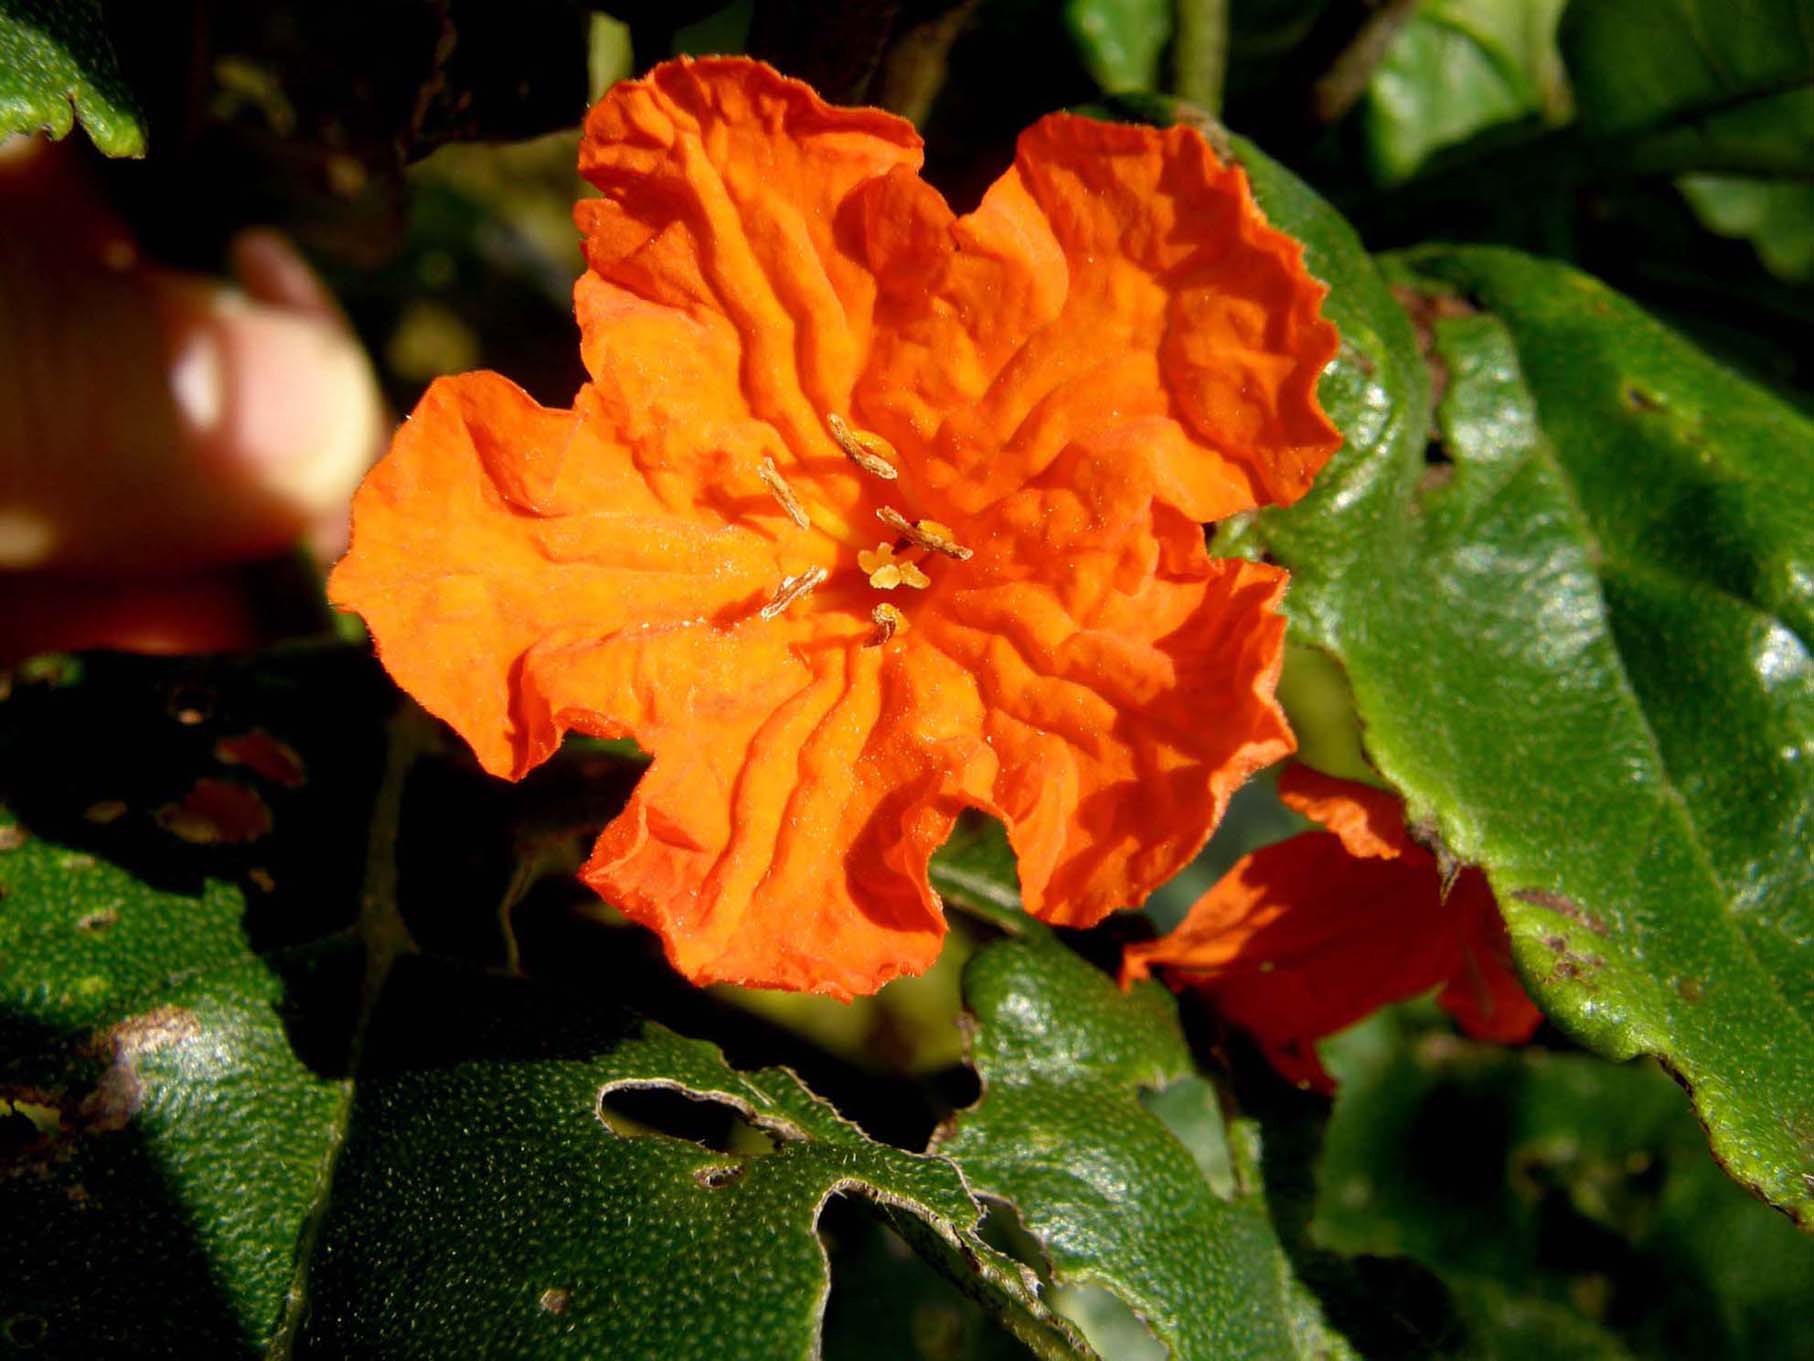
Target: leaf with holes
(177,989)
(1576,636)
(1066,1135)
(529,1173)
(56,66)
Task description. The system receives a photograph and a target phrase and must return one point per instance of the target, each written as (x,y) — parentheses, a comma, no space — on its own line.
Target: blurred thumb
(157,421)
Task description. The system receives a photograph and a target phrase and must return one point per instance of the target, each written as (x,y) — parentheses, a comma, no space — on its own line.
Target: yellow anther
(927,534)
(889,621)
(778,488)
(791,589)
(868,450)
(885,572)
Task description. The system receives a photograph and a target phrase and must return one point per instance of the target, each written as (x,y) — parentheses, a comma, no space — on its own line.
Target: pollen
(888,621)
(868,450)
(885,572)
(778,488)
(927,534)
(791,589)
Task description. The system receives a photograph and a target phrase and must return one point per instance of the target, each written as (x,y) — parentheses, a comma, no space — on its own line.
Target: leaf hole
(640,1110)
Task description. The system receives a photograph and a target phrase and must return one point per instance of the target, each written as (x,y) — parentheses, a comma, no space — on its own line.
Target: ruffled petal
(1370,822)
(725,245)
(1123,680)
(1117,281)
(459,579)
(781,837)
(1304,938)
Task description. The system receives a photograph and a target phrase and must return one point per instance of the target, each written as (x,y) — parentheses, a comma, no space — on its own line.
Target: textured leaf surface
(1579,649)
(170,1041)
(56,67)
(489,1202)
(1113,1196)
(1457,68)
(1568,1203)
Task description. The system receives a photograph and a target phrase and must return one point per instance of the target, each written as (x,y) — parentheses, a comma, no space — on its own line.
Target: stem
(1200,52)
(1346,80)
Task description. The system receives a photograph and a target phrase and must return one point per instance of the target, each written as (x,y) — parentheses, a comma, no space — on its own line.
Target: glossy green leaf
(1636,64)
(1114,1197)
(1458,67)
(1121,41)
(56,67)
(1569,1204)
(1574,628)
(174,1010)
(530,1173)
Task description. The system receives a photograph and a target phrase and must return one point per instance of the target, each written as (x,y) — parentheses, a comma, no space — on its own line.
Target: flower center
(893,562)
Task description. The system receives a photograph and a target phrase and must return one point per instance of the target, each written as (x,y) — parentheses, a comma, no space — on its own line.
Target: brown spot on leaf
(556,1299)
(217,812)
(13,836)
(119,1094)
(106,811)
(1638,399)
(1562,906)
(1689,989)
(1425,310)
(92,922)
(263,755)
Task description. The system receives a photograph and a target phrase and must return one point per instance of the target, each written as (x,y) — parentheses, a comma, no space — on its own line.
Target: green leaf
(1458,67)
(1120,41)
(1569,1204)
(1775,216)
(174,1012)
(56,66)
(1637,64)
(529,1173)
(1577,649)
(1113,1196)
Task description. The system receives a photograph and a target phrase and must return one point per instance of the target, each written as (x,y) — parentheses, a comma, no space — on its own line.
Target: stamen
(884,573)
(868,450)
(889,621)
(778,488)
(791,589)
(927,534)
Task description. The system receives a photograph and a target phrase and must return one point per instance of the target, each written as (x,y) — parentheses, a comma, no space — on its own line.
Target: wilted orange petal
(1304,938)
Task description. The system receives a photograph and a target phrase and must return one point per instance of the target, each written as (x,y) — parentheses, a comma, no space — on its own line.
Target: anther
(884,573)
(889,621)
(778,488)
(791,589)
(927,534)
(869,451)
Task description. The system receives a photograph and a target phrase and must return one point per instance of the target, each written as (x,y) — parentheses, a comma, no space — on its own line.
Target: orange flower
(869,513)
(1304,938)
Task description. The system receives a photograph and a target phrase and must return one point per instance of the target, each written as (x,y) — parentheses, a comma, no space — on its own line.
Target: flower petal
(1126,696)
(1116,279)
(724,244)
(458,581)
(1305,938)
(1370,822)
(780,838)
